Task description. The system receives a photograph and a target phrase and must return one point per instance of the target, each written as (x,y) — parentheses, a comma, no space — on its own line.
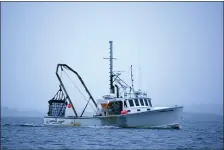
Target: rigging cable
(79,90)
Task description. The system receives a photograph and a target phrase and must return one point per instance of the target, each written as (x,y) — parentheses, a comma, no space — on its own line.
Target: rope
(79,90)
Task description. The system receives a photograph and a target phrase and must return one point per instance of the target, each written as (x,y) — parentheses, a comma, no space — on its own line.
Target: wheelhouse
(117,105)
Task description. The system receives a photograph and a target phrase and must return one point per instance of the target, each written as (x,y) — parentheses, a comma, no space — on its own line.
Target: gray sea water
(202,131)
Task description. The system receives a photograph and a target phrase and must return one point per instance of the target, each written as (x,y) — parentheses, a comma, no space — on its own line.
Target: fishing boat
(122,107)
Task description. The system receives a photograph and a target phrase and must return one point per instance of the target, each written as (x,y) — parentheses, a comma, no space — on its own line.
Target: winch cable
(61,96)
(79,90)
(63,106)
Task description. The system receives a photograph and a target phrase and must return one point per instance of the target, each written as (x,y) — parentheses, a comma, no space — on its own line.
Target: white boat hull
(169,117)
(72,121)
(166,117)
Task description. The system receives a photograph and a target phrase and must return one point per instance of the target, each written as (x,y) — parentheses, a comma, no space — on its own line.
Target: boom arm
(69,68)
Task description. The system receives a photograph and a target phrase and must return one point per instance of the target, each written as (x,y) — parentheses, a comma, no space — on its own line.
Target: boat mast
(111,67)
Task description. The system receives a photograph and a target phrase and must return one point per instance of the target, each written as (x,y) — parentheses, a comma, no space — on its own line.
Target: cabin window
(141,101)
(125,104)
(150,102)
(146,102)
(131,102)
(136,102)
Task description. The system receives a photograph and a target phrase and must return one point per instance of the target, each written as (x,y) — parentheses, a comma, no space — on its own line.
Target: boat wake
(116,127)
(102,127)
(23,125)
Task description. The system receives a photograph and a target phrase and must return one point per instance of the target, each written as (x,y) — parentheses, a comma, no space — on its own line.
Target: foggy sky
(178,47)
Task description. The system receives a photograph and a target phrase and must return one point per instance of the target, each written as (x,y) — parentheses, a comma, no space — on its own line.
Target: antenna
(111,67)
(132,79)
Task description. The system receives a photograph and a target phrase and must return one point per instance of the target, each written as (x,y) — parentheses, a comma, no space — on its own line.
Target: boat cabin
(111,105)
